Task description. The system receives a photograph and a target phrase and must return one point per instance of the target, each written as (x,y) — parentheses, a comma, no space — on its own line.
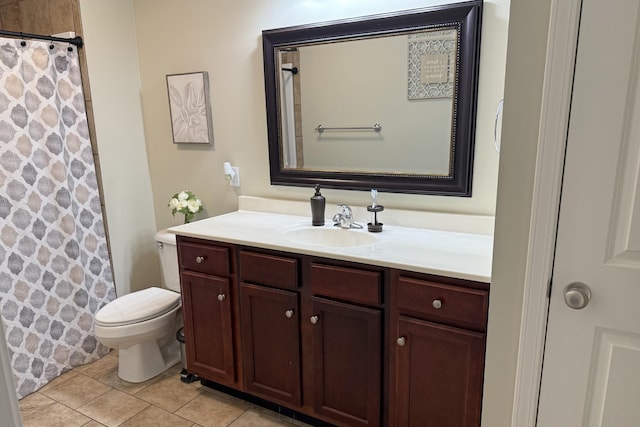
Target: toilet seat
(137,307)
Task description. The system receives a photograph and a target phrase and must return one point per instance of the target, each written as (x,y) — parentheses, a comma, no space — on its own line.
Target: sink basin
(332,237)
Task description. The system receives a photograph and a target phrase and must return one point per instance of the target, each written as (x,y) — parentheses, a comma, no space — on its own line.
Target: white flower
(186,203)
(193,206)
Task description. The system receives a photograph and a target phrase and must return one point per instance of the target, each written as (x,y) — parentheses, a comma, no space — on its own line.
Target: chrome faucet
(344,218)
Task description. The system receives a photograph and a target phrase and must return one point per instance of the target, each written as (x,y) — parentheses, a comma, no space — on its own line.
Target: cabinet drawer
(346,283)
(454,305)
(269,270)
(205,259)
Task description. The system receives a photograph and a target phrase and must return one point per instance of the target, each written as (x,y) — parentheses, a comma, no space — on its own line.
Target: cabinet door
(271,343)
(439,374)
(346,362)
(208,326)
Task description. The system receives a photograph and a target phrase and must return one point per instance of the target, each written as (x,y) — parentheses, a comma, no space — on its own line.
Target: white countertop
(444,253)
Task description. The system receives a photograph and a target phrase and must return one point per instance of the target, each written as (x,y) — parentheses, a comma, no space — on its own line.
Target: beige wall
(526,57)
(224,38)
(112,61)
(362,82)
(523,87)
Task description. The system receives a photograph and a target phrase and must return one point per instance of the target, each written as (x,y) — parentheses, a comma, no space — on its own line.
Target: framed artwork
(190,108)
(432,63)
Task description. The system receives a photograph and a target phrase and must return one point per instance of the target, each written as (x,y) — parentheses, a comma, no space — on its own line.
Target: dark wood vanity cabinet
(207,297)
(271,343)
(347,362)
(438,349)
(270,326)
(347,343)
(346,324)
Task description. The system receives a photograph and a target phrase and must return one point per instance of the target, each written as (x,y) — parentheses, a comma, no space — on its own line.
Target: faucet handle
(346,211)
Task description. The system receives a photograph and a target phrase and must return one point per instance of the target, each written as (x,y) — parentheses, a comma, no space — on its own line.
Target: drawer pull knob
(313,319)
(288,314)
(401,341)
(221,297)
(436,304)
(199,259)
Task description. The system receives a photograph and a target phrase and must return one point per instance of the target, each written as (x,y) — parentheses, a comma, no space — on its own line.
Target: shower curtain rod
(77,40)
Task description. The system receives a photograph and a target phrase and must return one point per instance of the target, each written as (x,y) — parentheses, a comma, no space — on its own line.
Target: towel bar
(376,127)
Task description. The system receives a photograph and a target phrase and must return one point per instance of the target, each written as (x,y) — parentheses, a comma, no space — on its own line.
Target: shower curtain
(55,272)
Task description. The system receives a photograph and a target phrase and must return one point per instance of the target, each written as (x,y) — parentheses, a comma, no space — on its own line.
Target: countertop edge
(194,230)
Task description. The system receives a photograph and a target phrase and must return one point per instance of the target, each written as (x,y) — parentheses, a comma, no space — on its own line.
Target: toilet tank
(166,244)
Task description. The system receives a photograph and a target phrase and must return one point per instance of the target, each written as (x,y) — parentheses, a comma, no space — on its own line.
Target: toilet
(142,325)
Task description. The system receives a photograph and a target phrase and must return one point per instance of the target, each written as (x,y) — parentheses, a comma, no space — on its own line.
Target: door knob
(313,319)
(221,297)
(577,295)
(288,314)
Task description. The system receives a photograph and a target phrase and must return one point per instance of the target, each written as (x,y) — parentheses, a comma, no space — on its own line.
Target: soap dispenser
(317,207)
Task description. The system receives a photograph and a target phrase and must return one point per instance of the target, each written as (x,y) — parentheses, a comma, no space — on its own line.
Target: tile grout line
(103,374)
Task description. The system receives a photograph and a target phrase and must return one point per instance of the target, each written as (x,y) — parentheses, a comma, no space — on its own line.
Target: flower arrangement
(187,203)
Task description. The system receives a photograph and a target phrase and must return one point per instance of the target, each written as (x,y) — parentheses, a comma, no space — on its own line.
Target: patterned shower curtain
(55,272)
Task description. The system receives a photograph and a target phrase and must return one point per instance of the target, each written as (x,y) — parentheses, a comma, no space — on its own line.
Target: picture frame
(431,63)
(190,108)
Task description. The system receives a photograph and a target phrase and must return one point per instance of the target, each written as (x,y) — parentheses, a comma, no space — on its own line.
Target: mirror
(384,101)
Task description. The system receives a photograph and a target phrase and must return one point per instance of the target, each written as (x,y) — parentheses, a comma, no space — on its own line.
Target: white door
(591,370)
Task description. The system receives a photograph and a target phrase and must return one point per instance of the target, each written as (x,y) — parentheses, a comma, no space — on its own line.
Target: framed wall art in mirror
(189,108)
(385,101)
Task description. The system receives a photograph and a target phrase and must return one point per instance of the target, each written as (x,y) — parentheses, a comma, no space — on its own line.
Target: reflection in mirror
(385,102)
(399,81)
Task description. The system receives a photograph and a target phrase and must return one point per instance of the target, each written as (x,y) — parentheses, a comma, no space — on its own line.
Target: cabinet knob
(221,297)
(199,259)
(401,341)
(436,304)
(288,314)
(313,319)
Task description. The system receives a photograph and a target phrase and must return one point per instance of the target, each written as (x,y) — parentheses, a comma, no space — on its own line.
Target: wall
(225,40)
(526,56)
(112,62)
(525,63)
(362,82)
(40,16)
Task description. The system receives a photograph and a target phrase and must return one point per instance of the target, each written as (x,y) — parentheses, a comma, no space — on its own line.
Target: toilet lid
(137,307)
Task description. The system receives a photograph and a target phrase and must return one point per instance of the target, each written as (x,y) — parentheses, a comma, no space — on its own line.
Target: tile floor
(92,395)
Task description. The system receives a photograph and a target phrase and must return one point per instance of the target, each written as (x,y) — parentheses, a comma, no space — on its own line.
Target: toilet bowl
(142,325)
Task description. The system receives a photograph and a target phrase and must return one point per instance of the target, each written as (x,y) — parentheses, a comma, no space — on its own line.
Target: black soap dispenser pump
(317,207)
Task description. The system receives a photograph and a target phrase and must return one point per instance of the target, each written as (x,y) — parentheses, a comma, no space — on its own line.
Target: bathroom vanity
(348,327)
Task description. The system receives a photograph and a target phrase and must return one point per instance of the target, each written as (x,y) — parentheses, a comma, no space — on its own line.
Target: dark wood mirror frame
(465,17)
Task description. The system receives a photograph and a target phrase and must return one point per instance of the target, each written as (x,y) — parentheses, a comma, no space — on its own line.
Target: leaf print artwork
(189,108)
